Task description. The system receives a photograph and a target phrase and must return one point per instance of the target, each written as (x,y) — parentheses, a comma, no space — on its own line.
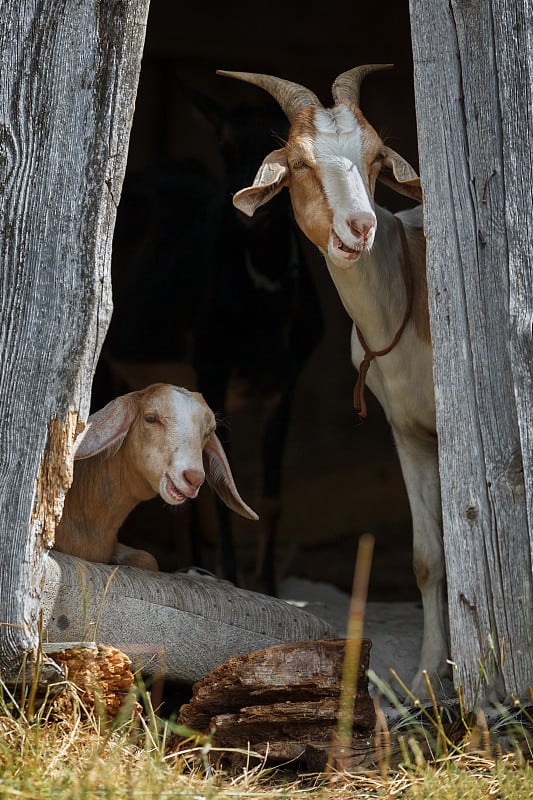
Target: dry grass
(78,756)
(65,750)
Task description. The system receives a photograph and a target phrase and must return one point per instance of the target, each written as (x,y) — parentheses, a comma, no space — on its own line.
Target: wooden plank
(69,78)
(473,81)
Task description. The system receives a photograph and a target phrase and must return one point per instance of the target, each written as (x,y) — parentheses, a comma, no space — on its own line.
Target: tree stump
(275,702)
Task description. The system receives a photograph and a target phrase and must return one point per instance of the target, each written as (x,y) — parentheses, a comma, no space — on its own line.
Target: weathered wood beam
(474,93)
(279,700)
(68,80)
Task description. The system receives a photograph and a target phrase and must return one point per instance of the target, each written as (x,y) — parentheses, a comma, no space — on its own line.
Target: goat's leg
(132,557)
(419,461)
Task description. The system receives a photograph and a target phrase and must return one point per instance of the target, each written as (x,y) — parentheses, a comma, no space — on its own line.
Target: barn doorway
(338,479)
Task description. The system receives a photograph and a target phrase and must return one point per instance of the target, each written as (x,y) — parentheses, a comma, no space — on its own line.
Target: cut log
(277,701)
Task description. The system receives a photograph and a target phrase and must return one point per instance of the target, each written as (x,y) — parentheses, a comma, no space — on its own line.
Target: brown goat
(160,440)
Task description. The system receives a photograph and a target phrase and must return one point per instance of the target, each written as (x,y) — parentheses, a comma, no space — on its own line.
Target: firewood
(276,701)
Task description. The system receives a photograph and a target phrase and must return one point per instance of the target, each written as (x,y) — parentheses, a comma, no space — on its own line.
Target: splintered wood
(276,702)
(102,676)
(55,476)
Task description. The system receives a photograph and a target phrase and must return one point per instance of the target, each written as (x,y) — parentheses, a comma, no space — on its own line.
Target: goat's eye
(151,419)
(298,166)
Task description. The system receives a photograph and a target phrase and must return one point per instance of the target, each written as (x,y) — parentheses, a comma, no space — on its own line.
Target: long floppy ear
(399,175)
(107,427)
(269,181)
(220,479)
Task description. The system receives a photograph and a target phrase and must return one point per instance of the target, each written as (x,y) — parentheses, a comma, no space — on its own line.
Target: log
(278,700)
(176,626)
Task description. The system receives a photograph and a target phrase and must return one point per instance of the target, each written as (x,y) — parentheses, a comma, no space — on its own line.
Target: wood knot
(472,514)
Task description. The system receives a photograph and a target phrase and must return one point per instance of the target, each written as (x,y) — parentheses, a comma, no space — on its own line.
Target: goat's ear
(220,479)
(106,428)
(269,181)
(399,175)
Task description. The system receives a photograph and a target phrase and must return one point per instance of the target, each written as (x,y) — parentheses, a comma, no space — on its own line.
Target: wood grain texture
(68,79)
(178,625)
(473,82)
(104,681)
(278,700)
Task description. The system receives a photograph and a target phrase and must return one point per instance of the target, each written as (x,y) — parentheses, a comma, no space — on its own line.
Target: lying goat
(376,259)
(160,440)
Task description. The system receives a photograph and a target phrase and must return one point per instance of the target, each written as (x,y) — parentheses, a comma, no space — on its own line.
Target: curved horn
(291,96)
(347,85)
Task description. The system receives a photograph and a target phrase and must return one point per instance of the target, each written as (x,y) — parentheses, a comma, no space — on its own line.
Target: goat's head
(330,164)
(167,442)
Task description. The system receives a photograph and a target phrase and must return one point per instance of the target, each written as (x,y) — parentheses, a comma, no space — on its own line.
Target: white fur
(185,453)
(339,158)
(372,291)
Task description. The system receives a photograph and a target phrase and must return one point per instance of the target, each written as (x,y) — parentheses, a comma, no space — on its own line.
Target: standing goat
(376,259)
(160,440)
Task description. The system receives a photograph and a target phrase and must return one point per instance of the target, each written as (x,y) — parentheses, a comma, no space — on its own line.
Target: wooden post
(474,96)
(68,80)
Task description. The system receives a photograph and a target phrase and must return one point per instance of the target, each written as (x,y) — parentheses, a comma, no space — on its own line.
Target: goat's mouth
(340,249)
(170,492)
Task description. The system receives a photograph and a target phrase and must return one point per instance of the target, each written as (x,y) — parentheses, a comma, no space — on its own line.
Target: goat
(231,298)
(330,164)
(160,440)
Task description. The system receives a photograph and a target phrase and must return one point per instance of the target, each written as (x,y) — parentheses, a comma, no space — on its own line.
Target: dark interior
(339,479)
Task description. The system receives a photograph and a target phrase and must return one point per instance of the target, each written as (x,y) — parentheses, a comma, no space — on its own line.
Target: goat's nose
(194,477)
(362,224)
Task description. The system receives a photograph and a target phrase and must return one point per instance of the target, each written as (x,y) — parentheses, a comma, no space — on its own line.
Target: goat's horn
(291,96)
(347,85)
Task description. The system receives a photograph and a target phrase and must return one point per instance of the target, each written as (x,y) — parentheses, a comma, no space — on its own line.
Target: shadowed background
(339,479)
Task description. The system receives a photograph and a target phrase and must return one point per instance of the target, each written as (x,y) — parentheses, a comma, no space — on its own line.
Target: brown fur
(140,445)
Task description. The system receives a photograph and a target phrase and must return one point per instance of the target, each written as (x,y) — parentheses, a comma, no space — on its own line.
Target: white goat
(160,440)
(376,259)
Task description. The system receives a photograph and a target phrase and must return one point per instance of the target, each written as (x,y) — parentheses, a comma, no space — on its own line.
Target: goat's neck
(103,493)
(372,289)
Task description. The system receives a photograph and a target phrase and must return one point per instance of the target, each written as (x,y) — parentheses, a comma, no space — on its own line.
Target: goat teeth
(173,491)
(340,245)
